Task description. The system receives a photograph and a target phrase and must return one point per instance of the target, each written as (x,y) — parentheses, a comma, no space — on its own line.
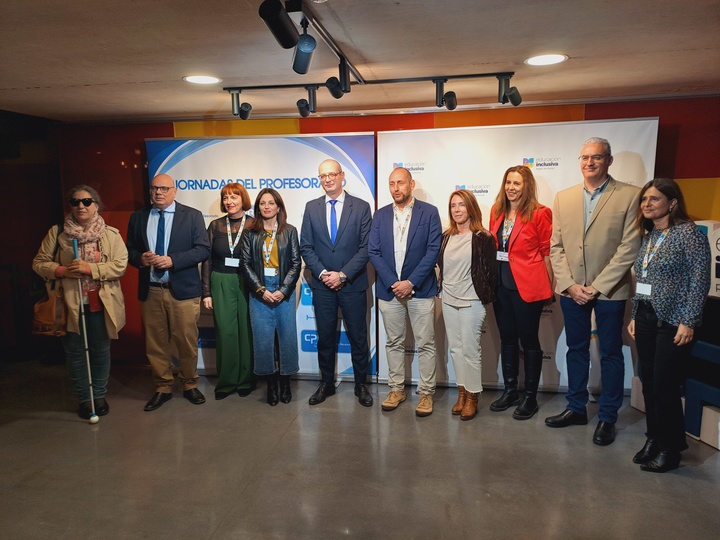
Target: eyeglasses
(161,189)
(76,202)
(594,158)
(330,176)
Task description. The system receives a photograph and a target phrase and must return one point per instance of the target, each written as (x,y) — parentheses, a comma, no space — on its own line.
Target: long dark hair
(528,200)
(259,226)
(669,188)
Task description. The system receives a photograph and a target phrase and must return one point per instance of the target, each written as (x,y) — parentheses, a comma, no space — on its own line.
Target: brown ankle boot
(470,409)
(460,403)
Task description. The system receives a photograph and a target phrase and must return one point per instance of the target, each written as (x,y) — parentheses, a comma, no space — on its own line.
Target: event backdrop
(201,167)
(444,160)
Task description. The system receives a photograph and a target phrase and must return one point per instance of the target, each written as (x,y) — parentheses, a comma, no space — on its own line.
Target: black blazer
(252,263)
(349,254)
(189,246)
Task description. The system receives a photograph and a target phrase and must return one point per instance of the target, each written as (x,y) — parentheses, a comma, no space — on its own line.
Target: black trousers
(354,312)
(662,371)
(517,319)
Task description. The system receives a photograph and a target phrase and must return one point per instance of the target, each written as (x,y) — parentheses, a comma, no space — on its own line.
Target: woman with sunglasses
(270,263)
(91,277)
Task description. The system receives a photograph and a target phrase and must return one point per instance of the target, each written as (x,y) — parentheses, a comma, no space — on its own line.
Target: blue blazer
(189,246)
(349,254)
(423,247)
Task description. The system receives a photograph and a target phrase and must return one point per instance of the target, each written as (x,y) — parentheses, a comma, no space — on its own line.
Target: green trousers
(232,332)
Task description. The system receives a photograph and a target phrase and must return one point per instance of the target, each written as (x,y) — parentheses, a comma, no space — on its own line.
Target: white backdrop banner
(201,167)
(443,160)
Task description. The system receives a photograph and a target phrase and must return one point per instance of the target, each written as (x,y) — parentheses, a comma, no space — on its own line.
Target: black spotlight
(304,51)
(508,93)
(279,22)
(344,75)
(333,85)
(446,99)
(245,110)
(303,107)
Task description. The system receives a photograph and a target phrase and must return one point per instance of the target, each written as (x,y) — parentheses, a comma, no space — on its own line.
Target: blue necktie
(160,242)
(333,221)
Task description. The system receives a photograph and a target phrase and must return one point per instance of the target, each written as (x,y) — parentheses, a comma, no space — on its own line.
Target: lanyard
(508,225)
(650,254)
(232,245)
(402,228)
(267,250)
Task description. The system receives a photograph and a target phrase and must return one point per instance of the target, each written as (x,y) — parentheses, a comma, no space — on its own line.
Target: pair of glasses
(76,202)
(594,158)
(330,176)
(161,189)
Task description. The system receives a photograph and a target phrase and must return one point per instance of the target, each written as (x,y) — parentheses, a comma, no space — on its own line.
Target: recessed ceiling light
(201,79)
(546,59)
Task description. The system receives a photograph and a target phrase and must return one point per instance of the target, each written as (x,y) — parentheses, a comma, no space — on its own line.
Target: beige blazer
(602,256)
(112,265)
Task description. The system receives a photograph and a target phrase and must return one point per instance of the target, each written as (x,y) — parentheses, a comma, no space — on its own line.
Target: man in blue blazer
(333,243)
(166,242)
(404,245)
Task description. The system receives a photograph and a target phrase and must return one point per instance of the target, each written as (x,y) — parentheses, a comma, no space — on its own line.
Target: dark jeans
(661,372)
(354,312)
(99,352)
(609,315)
(517,319)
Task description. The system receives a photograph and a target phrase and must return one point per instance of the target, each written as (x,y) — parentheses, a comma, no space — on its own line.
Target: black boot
(272,389)
(510,359)
(285,393)
(529,405)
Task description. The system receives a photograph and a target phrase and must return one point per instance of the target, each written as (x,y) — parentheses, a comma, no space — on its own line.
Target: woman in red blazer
(522,228)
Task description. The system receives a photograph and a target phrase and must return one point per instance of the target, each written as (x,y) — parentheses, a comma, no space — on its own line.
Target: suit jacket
(189,246)
(423,247)
(528,246)
(603,255)
(349,254)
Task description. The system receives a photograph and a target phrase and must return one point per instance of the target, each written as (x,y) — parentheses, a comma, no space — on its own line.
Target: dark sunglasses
(76,202)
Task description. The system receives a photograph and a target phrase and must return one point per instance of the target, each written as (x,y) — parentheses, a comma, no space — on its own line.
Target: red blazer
(528,246)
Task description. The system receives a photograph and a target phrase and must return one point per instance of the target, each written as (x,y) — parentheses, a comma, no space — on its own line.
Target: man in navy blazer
(166,242)
(404,245)
(333,243)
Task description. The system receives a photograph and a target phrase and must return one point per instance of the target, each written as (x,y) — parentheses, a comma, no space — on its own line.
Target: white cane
(94,419)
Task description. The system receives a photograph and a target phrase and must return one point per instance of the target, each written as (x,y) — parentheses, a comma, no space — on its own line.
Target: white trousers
(463,327)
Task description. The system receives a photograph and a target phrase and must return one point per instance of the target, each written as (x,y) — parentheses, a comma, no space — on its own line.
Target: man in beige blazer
(594,243)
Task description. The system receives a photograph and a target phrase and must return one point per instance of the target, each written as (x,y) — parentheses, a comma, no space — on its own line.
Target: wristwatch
(343,277)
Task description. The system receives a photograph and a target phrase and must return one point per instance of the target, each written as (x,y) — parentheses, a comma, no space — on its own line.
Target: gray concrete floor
(240,469)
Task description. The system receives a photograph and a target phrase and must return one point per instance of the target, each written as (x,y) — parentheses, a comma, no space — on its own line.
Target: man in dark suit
(333,243)
(404,246)
(166,242)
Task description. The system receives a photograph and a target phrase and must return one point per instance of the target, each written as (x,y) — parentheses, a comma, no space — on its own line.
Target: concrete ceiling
(108,61)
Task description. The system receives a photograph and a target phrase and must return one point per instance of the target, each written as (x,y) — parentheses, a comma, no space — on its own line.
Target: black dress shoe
(648,452)
(101,406)
(157,400)
(363,395)
(194,396)
(604,433)
(566,418)
(665,461)
(222,395)
(323,391)
(85,410)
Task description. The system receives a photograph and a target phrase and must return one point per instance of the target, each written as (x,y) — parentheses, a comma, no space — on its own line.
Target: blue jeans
(99,351)
(609,316)
(266,320)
